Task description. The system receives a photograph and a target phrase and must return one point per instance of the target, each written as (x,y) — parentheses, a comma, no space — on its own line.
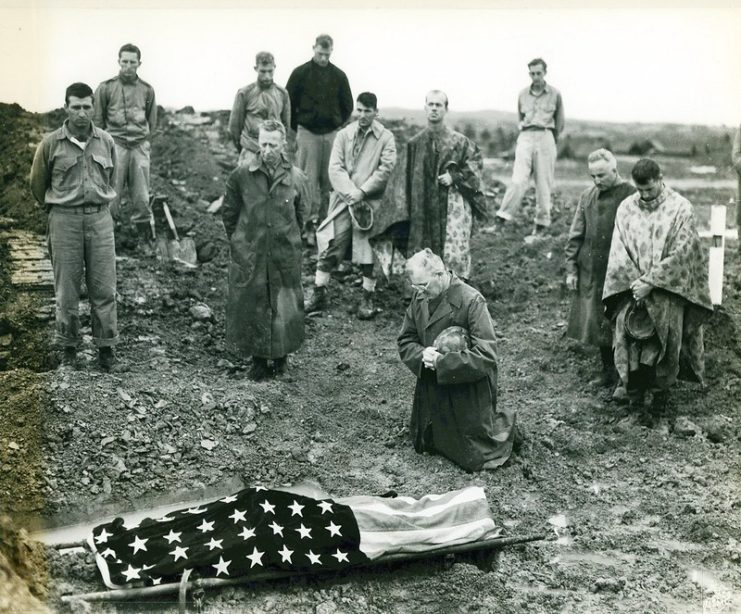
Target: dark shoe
(259,370)
(280,365)
(366,309)
(106,358)
(318,300)
(69,357)
(660,402)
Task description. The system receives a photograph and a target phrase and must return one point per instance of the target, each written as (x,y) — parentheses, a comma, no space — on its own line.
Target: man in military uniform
(72,178)
(125,107)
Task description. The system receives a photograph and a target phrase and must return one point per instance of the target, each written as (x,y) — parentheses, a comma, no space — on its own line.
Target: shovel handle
(170,223)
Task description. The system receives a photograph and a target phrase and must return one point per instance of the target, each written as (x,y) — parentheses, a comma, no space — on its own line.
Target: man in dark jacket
(262,214)
(454,411)
(586,257)
(321,102)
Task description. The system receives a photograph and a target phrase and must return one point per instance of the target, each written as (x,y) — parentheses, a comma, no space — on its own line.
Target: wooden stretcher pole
(124,594)
(717,252)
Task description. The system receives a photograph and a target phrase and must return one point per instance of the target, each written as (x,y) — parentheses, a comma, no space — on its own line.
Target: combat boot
(318,300)
(106,359)
(366,309)
(259,370)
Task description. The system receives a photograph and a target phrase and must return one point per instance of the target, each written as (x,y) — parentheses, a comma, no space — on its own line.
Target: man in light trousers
(72,178)
(541,114)
(125,107)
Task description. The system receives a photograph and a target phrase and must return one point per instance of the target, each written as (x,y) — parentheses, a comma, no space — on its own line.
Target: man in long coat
(656,261)
(436,191)
(455,410)
(587,251)
(262,214)
(363,156)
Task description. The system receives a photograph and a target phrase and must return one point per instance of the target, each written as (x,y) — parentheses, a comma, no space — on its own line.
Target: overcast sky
(610,64)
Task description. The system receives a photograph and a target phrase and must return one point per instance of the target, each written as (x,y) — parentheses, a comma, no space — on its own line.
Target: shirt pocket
(100,169)
(66,174)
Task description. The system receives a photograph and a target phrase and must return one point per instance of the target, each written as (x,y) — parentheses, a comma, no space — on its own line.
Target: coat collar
(64,132)
(257,164)
(452,299)
(376,128)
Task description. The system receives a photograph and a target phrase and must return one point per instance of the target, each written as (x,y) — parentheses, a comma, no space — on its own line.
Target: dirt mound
(23,571)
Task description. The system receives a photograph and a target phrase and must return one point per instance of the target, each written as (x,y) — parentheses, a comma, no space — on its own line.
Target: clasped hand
(640,289)
(429,357)
(445,179)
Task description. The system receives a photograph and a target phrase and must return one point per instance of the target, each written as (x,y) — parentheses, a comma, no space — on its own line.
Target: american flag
(249,532)
(258,530)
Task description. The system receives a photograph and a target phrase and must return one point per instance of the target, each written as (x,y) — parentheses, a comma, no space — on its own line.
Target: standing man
(586,256)
(541,114)
(262,214)
(656,291)
(72,178)
(437,190)
(363,156)
(254,103)
(125,107)
(454,411)
(321,102)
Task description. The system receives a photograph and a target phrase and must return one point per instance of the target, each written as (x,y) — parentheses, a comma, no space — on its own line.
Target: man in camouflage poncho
(435,192)
(656,261)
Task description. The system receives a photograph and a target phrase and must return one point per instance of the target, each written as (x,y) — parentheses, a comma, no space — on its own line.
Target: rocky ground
(639,520)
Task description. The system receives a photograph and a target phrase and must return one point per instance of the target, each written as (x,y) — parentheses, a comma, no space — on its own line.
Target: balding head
(427,273)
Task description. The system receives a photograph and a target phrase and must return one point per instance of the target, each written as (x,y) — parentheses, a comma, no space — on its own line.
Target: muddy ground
(639,520)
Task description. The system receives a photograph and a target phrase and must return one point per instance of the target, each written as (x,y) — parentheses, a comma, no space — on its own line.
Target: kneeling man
(454,411)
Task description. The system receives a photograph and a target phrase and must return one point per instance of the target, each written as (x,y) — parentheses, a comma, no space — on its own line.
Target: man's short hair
(645,170)
(273,125)
(427,260)
(368,99)
(437,92)
(540,61)
(79,90)
(264,57)
(325,41)
(131,48)
(601,154)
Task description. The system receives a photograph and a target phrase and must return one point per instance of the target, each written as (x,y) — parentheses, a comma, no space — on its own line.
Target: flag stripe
(403,524)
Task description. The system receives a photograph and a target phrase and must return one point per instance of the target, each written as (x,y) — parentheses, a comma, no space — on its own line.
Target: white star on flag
(326,506)
(296,508)
(259,488)
(131,524)
(172,536)
(229,499)
(314,558)
(285,554)
(238,515)
(179,553)
(138,544)
(214,543)
(304,531)
(147,567)
(255,557)
(267,507)
(195,510)
(165,519)
(246,533)
(205,527)
(108,552)
(221,566)
(277,529)
(132,573)
(156,581)
(341,556)
(102,537)
(334,529)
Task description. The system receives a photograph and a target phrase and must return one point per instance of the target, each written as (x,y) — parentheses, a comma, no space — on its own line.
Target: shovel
(180,250)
